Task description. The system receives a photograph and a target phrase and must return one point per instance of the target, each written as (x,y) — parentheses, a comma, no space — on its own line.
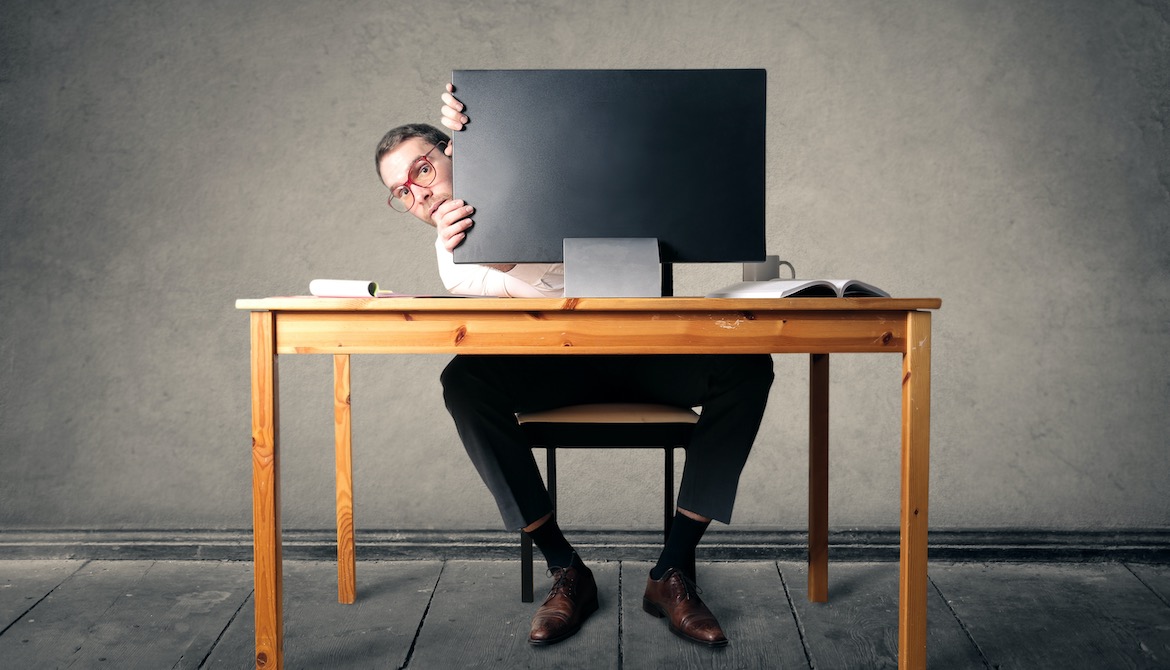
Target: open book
(346,288)
(801,288)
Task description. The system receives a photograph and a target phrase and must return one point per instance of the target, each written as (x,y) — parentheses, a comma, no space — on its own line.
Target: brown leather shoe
(677,598)
(571,600)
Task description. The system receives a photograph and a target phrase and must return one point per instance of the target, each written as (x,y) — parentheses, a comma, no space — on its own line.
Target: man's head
(408,155)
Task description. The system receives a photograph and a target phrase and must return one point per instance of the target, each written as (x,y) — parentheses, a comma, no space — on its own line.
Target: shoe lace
(689,586)
(562,583)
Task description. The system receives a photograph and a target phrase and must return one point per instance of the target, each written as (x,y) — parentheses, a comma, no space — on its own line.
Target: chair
(604,426)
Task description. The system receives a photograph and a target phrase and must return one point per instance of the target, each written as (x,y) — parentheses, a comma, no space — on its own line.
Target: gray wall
(159,160)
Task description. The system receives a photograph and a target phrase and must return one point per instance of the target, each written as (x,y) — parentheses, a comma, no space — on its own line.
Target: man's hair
(397,136)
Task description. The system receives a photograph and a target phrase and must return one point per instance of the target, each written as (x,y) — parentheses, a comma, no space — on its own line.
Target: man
(484,393)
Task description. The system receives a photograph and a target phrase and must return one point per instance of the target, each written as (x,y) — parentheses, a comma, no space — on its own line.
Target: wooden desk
(815,326)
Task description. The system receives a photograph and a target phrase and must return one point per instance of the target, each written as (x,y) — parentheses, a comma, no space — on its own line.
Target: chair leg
(668,498)
(526,586)
(551,476)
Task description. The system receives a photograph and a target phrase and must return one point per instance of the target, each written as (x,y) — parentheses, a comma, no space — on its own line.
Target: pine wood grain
(585,332)
(310,304)
(343,450)
(583,326)
(269,604)
(915,491)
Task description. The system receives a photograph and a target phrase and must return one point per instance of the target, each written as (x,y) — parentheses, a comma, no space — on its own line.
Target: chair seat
(612,413)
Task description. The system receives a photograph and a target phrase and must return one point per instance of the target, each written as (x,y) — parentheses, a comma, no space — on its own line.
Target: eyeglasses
(421,173)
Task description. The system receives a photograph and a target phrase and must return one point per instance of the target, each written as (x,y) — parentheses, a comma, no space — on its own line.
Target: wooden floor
(468,614)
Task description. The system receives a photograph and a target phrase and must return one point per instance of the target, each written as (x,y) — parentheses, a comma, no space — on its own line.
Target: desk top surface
(453,304)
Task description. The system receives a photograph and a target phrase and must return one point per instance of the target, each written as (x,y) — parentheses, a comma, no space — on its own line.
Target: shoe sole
(655,610)
(586,610)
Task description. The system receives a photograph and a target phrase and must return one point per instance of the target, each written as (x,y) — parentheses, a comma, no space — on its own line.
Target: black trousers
(484,393)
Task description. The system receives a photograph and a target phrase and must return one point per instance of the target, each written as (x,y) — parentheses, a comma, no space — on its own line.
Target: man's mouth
(438,203)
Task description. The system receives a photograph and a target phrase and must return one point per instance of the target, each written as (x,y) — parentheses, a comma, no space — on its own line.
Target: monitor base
(612,267)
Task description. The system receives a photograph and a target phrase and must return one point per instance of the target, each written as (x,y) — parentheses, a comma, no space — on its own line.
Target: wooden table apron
(814,326)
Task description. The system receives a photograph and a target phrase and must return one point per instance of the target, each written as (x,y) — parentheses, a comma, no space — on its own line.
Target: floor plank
(858,627)
(146,614)
(477,620)
(129,614)
(24,583)
(747,598)
(1156,577)
(1095,615)
(374,632)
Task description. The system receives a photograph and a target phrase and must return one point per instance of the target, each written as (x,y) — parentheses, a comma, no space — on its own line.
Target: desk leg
(912,594)
(343,434)
(818,478)
(267,564)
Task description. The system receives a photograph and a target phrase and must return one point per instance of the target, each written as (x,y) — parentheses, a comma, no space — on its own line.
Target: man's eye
(401,192)
(424,169)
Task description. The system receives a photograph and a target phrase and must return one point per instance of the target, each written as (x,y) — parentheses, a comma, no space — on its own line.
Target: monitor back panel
(672,154)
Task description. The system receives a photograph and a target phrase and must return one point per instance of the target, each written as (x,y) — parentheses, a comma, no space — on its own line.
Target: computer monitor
(675,156)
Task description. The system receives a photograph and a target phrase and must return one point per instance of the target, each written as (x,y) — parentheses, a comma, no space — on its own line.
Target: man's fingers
(452,117)
(451,242)
(452,102)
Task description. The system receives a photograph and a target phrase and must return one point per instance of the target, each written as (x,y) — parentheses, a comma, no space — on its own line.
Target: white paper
(343,288)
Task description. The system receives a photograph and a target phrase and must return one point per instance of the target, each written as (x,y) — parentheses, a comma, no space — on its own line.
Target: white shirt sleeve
(526,280)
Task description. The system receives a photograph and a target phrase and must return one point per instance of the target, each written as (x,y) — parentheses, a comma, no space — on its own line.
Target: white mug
(768,269)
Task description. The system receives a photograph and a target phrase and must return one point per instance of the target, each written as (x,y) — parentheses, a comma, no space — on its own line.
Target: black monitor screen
(676,155)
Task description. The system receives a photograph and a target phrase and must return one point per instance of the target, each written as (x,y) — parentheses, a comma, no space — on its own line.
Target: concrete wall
(159,160)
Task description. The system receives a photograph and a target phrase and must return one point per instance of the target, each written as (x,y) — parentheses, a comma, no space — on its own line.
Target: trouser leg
(483,393)
(733,392)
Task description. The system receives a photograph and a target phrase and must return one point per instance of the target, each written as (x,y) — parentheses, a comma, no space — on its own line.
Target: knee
(456,378)
(452,373)
(756,369)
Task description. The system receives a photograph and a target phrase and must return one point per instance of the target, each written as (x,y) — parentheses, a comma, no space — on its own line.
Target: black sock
(552,543)
(679,552)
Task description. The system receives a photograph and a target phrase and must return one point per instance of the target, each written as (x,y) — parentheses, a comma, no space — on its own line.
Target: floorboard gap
(228,625)
(42,598)
(621,630)
(423,620)
(962,625)
(1151,589)
(795,617)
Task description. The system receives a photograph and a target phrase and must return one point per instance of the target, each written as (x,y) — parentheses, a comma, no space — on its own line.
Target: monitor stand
(612,267)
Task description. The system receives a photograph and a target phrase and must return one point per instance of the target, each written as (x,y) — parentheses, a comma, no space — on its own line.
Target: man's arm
(528,280)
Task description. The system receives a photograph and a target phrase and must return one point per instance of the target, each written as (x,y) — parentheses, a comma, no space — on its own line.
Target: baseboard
(1144,546)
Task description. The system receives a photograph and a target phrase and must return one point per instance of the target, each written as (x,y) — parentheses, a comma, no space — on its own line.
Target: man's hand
(452,111)
(451,217)
(452,221)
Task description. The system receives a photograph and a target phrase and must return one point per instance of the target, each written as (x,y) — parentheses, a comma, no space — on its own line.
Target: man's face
(396,166)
